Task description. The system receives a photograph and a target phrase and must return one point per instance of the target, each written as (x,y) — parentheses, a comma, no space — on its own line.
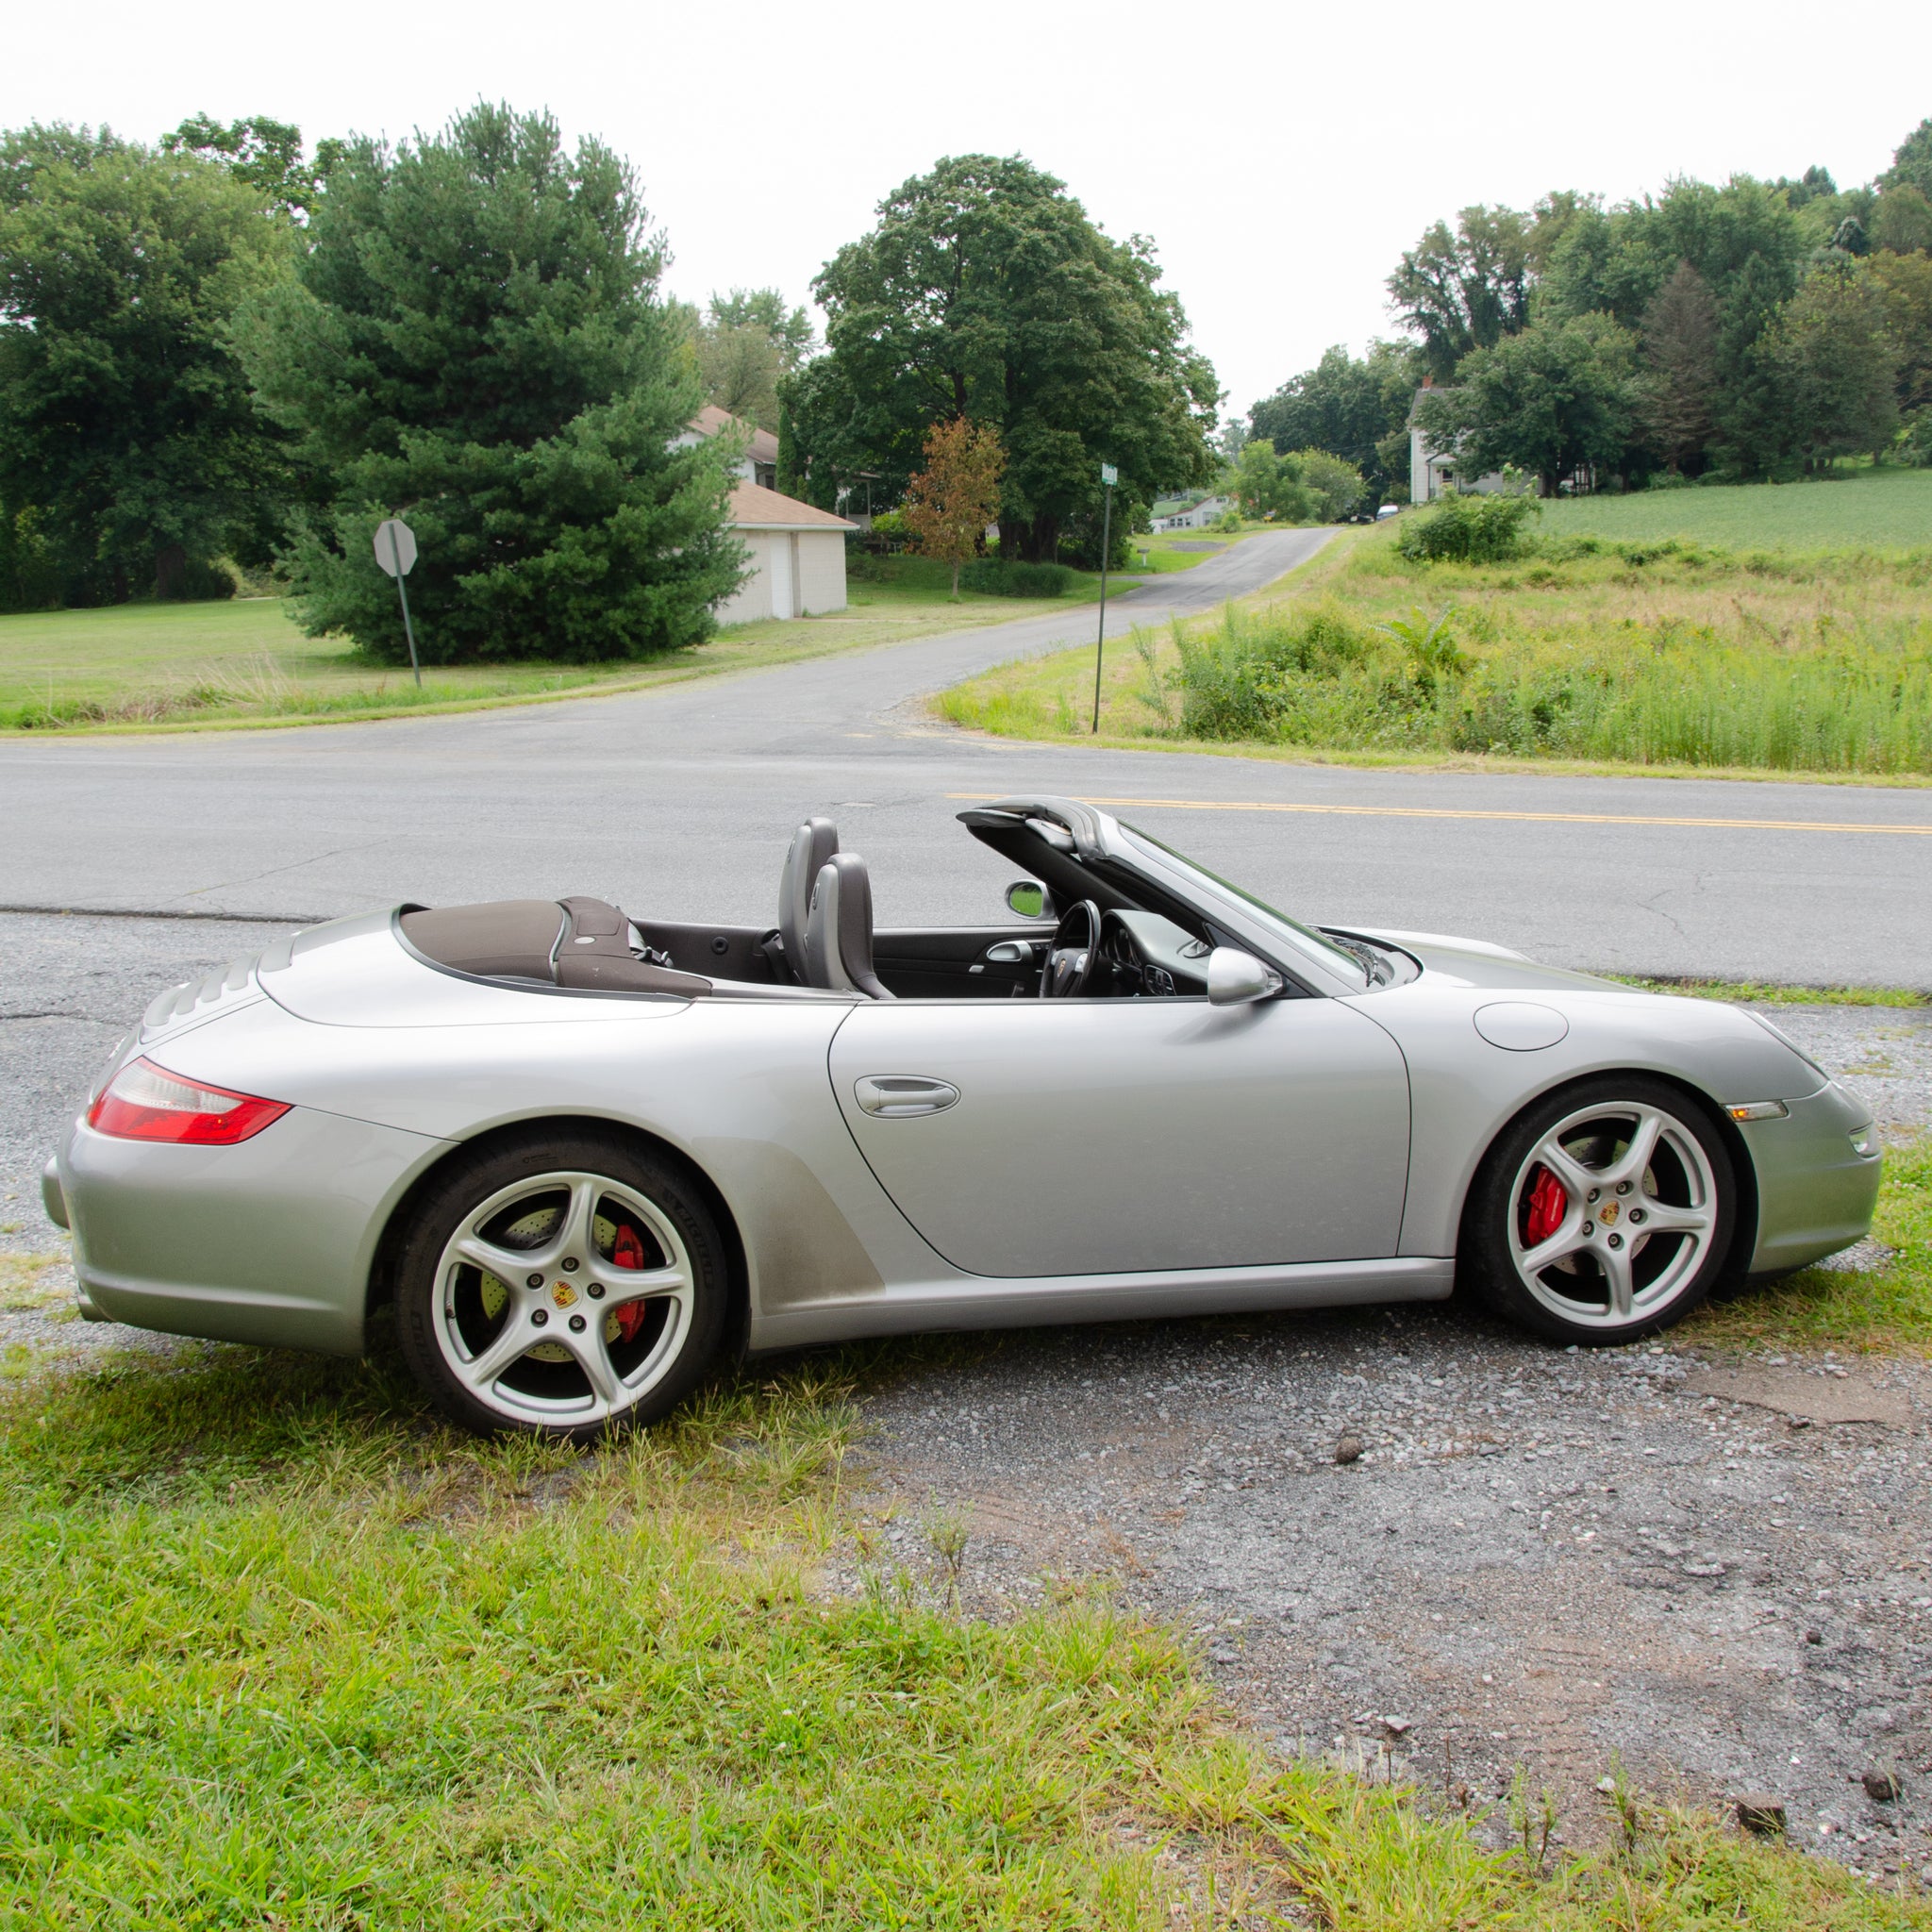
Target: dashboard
(1145,956)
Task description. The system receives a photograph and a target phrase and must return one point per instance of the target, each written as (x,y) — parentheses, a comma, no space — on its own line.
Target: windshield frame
(1302,943)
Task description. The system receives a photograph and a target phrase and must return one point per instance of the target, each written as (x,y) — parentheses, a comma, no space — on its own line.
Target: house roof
(712,421)
(755,507)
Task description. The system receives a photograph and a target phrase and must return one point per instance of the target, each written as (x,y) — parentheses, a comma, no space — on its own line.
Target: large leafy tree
(1466,287)
(1842,364)
(744,343)
(986,291)
(1616,262)
(1555,399)
(1345,406)
(474,341)
(128,443)
(265,154)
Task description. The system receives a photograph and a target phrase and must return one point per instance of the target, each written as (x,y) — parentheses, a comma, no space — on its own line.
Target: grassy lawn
(145,665)
(277,1650)
(1888,1308)
(1871,509)
(1171,550)
(1624,656)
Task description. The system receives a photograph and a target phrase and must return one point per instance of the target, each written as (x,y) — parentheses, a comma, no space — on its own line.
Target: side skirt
(1048,1300)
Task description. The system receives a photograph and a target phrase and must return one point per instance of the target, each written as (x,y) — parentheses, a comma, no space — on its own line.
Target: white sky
(1281,156)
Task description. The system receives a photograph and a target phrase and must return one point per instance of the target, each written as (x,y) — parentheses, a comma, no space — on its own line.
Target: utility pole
(1108,478)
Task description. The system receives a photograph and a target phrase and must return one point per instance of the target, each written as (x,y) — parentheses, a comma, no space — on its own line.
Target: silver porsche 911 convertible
(580,1153)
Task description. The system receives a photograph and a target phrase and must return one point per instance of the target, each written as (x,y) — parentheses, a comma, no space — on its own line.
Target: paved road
(677,801)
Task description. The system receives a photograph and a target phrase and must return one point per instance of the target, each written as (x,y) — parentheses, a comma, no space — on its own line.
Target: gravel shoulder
(1715,1569)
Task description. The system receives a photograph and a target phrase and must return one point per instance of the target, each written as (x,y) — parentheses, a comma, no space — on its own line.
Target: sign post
(395,551)
(1108,478)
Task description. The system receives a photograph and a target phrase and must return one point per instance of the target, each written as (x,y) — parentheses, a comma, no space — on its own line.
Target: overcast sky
(1281,156)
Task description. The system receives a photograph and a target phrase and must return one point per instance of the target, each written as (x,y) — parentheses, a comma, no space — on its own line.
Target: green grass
(1882,1309)
(1866,510)
(1756,992)
(143,665)
(1659,658)
(276,1651)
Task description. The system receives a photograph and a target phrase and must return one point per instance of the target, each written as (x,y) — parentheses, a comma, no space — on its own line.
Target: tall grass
(1651,655)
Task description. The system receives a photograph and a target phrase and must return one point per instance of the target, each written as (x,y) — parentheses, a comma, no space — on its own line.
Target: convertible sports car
(581,1151)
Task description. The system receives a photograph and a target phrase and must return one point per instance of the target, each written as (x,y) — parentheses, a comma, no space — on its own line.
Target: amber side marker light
(1760,1110)
(143,1102)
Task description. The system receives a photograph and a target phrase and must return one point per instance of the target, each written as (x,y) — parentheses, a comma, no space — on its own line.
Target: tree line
(1756,330)
(218,350)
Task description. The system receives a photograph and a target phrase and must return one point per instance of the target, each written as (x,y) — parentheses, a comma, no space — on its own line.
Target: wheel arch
(379,1291)
(1744,1170)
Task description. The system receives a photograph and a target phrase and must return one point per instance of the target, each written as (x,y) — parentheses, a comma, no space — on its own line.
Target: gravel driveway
(1716,1571)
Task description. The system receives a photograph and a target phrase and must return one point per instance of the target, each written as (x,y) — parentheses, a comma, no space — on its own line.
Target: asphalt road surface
(678,801)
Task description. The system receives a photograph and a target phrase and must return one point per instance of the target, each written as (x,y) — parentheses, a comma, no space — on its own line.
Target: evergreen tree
(474,341)
(1678,394)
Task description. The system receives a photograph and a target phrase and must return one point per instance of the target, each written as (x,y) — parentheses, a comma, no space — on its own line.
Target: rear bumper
(52,1199)
(1815,1192)
(271,1241)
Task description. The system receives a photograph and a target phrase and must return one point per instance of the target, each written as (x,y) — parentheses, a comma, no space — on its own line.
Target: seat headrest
(812,844)
(838,937)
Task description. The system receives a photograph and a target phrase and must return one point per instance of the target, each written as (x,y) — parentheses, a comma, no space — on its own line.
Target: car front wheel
(563,1284)
(1604,1212)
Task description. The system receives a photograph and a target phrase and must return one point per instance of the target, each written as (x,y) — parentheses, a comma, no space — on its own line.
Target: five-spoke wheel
(560,1284)
(1604,1212)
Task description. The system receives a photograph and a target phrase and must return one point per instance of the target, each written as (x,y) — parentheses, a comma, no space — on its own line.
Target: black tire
(609,1269)
(1626,1251)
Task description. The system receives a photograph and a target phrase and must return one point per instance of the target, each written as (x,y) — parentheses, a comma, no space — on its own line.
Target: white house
(797,554)
(1197,517)
(797,550)
(1433,471)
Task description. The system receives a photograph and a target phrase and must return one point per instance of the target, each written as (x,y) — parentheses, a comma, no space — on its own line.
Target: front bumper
(269,1242)
(1815,1192)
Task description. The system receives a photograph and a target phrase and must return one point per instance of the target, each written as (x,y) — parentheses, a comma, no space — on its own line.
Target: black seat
(812,844)
(838,932)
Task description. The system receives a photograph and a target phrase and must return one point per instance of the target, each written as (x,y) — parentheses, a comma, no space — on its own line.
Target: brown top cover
(579,943)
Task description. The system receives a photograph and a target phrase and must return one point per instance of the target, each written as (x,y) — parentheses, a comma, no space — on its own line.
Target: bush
(1336,483)
(1469,529)
(993,576)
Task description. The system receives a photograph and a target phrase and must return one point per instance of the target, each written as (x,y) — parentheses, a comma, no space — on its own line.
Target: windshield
(1336,959)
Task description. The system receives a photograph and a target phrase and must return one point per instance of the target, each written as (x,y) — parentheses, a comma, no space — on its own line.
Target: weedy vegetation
(1662,655)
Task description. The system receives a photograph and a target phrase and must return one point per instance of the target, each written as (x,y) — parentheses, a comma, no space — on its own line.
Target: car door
(1080,1137)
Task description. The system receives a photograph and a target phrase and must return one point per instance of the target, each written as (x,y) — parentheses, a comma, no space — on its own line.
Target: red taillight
(143,1102)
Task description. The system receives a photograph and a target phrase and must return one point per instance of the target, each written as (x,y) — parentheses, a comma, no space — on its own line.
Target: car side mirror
(1238,979)
(1031,900)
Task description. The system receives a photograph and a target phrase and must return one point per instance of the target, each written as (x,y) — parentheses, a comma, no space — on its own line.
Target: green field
(143,665)
(277,1650)
(1864,510)
(1661,654)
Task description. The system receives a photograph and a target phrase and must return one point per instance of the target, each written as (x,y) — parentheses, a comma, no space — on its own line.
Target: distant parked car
(1388,510)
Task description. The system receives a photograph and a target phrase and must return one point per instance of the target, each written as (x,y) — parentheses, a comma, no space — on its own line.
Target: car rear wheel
(563,1284)
(1603,1213)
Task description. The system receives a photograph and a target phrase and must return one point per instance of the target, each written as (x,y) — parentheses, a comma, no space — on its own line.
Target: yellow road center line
(1432,811)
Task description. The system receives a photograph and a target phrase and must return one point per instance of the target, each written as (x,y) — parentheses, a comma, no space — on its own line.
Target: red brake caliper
(1548,1203)
(627,1251)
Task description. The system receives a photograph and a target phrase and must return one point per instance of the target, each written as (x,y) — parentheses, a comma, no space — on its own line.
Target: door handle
(898,1097)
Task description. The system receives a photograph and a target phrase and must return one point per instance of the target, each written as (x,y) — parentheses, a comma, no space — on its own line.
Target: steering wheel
(1071,956)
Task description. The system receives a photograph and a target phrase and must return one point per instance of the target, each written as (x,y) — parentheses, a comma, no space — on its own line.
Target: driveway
(677,801)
